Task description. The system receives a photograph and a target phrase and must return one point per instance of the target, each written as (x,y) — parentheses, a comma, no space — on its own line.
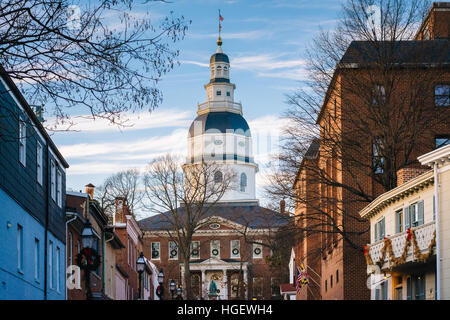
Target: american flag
(298,282)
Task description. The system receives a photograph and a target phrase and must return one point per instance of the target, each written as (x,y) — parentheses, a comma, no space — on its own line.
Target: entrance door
(217,276)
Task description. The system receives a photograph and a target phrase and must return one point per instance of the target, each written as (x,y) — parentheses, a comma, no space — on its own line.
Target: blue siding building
(32,203)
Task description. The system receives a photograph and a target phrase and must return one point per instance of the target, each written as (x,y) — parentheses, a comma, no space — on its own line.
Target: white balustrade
(424,235)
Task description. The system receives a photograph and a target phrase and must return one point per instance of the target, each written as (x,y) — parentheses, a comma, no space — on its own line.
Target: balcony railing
(220,104)
(424,235)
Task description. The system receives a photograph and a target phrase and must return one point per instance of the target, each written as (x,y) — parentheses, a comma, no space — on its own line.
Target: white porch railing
(424,235)
(220,104)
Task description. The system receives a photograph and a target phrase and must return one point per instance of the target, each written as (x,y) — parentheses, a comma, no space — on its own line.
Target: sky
(265,41)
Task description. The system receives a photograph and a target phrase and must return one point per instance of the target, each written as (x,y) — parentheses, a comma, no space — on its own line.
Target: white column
(246,284)
(204,284)
(225,283)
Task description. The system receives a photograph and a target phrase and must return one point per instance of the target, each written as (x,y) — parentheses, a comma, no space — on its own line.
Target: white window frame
(232,247)
(20,248)
(254,247)
(195,247)
(59,188)
(22,142)
(36,259)
(171,244)
(158,250)
(39,161)
(57,267)
(214,245)
(53,179)
(50,264)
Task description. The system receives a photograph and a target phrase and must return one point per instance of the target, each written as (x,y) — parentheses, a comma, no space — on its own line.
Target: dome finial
(219,41)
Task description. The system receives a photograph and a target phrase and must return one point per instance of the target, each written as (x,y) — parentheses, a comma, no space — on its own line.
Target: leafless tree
(100,59)
(369,102)
(183,196)
(125,184)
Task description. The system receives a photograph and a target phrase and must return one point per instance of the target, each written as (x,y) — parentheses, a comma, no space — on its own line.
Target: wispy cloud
(248,35)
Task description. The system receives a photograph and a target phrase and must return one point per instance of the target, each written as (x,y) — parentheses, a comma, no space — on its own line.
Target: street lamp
(160,289)
(140,264)
(179,297)
(172,287)
(88,259)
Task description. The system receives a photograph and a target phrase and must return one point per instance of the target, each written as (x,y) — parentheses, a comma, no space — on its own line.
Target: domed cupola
(220,134)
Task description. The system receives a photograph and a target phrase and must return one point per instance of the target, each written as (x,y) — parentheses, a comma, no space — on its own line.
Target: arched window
(243,182)
(218,177)
(219,70)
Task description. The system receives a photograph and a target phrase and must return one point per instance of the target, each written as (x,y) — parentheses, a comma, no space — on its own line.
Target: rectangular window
(326,286)
(39,160)
(257,251)
(399,221)
(275,286)
(22,141)
(442,95)
(195,249)
(36,259)
(155,251)
(441,141)
(173,250)
(50,264)
(20,248)
(377,158)
(337,276)
(228,93)
(331,281)
(53,180)
(219,93)
(215,248)
(59,188)
(416,212)
(235,249)
(380,230)
(379,95)
(57,268)
(257,287)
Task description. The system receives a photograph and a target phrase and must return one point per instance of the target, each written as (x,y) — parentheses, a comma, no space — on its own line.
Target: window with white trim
(442,95)
(39,161)
(57,258)
(36,259)
(50,264)
(156,251)
(235,249)
(215,248)
(380,230)
(257,251)
(195,250)
(59,188)
(22,142)
(19,248)
(53,179)
(173,250)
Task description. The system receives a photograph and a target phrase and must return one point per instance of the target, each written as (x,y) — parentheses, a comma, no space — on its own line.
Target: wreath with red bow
(88,258)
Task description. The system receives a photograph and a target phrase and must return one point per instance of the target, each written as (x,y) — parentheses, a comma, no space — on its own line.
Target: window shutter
(407,218)
(421,209)
(408,289)
(399,221)
(381,231)
(376,231)
(434,207)
(377,293)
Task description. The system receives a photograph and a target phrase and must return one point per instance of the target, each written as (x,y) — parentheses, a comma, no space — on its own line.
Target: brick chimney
(406,174)
(121,210)
(90,190)
(436,23)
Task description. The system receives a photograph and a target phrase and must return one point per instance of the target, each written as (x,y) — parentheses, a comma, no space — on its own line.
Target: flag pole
(220,26)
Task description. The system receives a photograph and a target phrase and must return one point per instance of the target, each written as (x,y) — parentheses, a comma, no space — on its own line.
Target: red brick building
(219,252)
(342,266)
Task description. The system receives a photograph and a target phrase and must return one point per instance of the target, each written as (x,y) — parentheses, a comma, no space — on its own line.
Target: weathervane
(219,41)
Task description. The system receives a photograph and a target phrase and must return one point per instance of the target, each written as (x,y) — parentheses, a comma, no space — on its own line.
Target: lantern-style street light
(172,287)
(160,289)
(140,264)
(179,296)
(88,259)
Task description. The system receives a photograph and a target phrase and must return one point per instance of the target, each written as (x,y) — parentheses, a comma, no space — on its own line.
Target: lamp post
(161,282)
(179,297)
(88,259)
(140,264)
(172,287)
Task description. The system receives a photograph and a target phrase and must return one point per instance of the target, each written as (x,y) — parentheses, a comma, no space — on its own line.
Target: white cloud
(131,121)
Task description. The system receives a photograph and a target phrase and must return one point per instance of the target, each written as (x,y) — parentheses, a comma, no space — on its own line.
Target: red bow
(408,232)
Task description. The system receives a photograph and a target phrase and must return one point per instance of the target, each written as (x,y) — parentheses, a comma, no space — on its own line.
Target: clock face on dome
(241,144)
(218,142)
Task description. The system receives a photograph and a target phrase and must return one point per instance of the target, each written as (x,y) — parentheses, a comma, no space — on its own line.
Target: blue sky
(265,40)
